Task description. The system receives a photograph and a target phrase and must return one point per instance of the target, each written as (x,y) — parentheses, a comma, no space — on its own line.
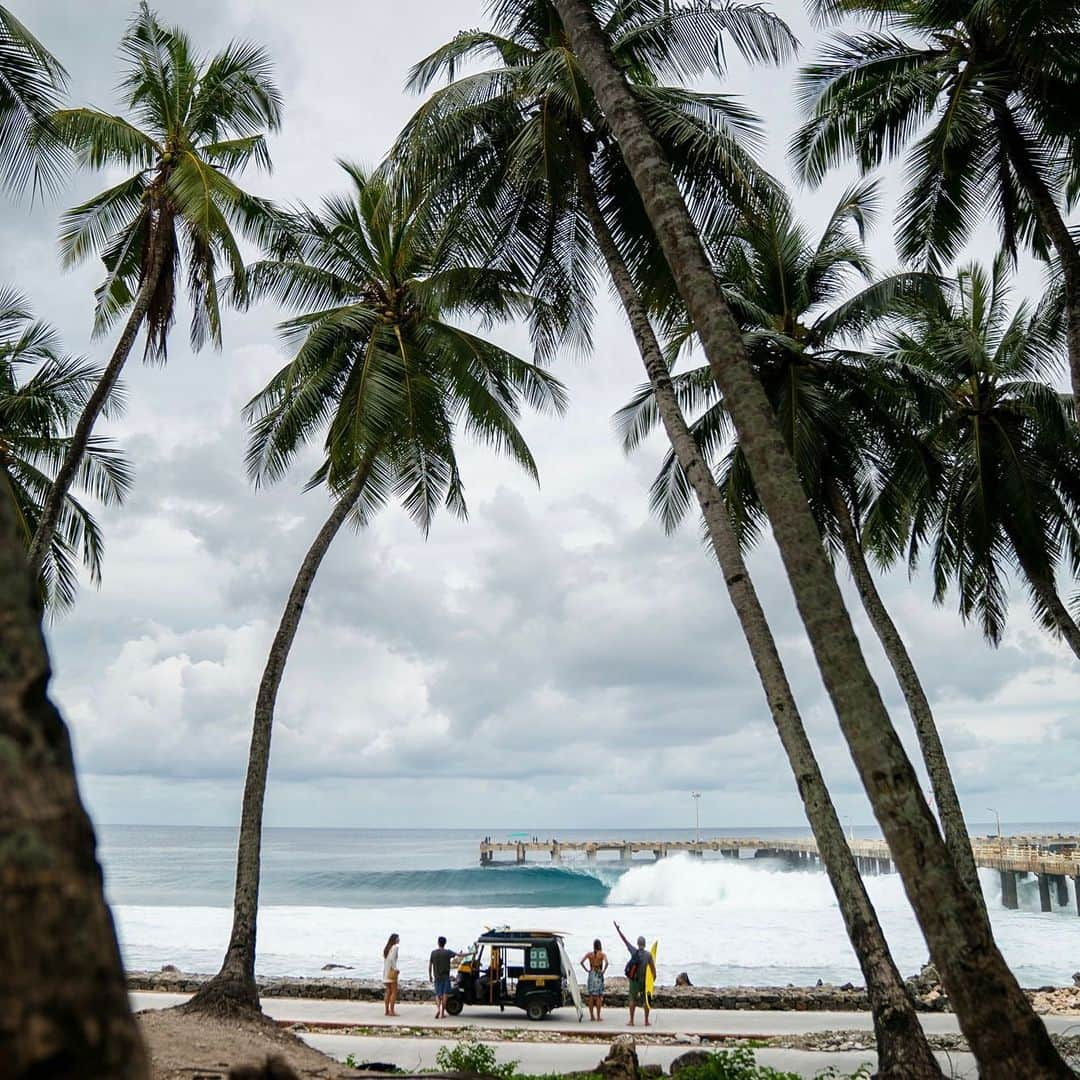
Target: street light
(998,822)
(696,796)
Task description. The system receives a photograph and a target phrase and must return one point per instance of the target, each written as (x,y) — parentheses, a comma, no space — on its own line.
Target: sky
(556,660)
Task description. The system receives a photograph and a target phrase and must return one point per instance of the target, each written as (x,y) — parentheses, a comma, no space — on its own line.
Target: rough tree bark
(233,989)
(1004,1033)
(64,1009)
(54,501)
(903,1051)
(957,837)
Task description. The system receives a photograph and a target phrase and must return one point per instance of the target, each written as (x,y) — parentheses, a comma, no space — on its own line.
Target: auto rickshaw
(528,969)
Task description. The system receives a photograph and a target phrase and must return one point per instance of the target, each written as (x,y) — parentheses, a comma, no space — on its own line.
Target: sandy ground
(195,1048)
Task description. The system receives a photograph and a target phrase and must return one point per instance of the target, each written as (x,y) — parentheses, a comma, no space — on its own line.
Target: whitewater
(333,896)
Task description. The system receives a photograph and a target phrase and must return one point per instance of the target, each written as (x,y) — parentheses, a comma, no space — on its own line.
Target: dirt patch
(197,1048)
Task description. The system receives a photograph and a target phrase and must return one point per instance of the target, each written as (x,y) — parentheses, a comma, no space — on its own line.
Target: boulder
(337,967)
(621,1062)
(1076,978)
(682,979)
(691,1059)
(170,969)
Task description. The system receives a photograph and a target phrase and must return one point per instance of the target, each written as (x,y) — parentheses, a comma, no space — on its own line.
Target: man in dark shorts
(439,974)
(641,961)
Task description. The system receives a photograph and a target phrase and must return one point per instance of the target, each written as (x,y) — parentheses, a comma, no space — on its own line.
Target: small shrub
(350,1061)
(739,1064)
(472,1056)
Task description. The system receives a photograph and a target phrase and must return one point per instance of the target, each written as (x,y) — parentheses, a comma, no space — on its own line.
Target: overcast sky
(555,661)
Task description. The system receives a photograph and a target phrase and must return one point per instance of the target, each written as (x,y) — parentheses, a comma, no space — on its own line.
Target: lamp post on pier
(997,821)
(696,796)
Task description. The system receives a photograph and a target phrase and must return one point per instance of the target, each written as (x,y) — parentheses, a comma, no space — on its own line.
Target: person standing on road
(390,974)
(439,974)
(641,961)
(595,963)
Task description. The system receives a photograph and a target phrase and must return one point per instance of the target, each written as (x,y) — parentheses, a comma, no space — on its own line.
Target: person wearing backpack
(640,962)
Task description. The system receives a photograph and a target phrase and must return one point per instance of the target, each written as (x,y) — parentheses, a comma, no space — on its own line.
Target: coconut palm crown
(41,391)
(801,326)
(522,135)
(386,286)
(32,82)
(193,122)
(1006,495)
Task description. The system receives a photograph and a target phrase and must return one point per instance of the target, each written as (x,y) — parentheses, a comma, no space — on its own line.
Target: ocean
(332,896)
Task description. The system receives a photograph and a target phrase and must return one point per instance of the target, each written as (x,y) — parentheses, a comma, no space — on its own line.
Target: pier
(1050,859)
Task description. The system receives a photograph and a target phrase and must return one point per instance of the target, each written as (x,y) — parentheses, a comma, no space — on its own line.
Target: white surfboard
(571,981)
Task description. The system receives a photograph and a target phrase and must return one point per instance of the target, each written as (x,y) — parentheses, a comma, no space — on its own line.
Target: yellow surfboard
(649,978)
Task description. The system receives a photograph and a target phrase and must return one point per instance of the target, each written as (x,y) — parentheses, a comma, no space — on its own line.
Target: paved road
(683,1021)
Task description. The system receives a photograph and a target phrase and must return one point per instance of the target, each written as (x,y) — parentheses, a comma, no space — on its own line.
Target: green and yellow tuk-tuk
(528,969)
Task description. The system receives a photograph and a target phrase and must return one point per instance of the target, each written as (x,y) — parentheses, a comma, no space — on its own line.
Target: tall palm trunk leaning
(375,277)
(1004,1033)
(44,535)
(903,1051)
(844,414)
(950,812)
(64,1008)
(193,120)
(234,985)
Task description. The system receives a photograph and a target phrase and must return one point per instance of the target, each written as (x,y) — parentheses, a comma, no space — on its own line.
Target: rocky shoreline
(925,987)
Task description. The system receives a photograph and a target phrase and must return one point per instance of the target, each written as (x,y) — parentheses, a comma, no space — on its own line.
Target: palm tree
(838,415)
(985,96)
(522,138)
(193,122)
(32,82)
(380,279)
(36,411)
(1006,489)
(1006,1036)
(528,144)
(65,998)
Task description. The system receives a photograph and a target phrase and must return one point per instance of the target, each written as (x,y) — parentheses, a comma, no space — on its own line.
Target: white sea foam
(723,922)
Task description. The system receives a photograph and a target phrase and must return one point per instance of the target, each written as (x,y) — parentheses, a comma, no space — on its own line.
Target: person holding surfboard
(640,968)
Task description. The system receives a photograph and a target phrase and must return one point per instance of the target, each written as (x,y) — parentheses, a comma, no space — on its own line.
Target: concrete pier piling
(1008,890)
(1062,889)
(1044,892)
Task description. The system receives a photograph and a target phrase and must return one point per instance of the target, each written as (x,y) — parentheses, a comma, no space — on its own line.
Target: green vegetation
(469,1055)
(739,1064)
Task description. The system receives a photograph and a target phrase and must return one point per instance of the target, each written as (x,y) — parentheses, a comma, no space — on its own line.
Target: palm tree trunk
(63,1000)
(903,1052)
(233,988)
(957,838)
(1054,225)
(54,502)
(1004,1033)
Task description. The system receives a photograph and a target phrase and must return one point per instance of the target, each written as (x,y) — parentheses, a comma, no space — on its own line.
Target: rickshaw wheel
(536,1010)
(454,1006)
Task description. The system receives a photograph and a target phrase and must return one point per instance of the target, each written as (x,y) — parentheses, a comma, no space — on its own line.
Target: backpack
(632,968)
